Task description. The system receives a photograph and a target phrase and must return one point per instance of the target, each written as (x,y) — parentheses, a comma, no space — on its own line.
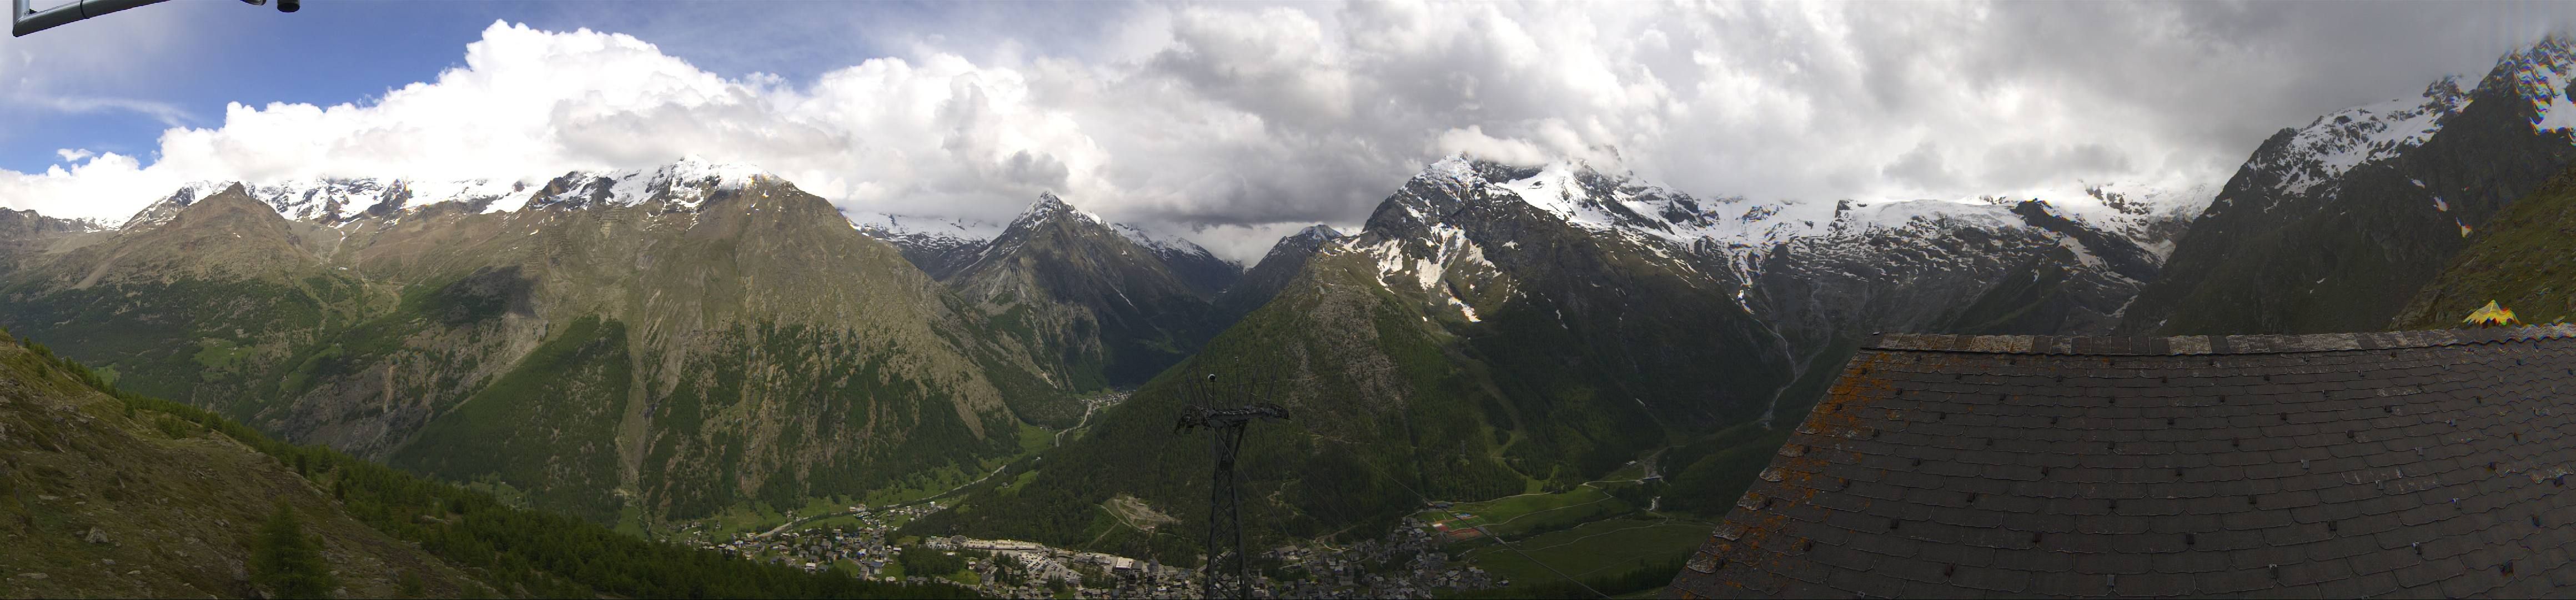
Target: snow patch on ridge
(494,196)
(1464,309)
(167,208)
(2338,141)
(1455,174)
(1048,206)
(1317,232)
(892,225)
(1159,243)
(2541,75)
(1741,234)
(686,183)
(1449,249)
(1737,223)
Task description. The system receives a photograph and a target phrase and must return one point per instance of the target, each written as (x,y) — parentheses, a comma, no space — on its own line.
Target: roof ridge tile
(2211,344)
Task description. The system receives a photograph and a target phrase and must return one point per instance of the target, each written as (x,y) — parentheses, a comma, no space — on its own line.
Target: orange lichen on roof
(1761,537)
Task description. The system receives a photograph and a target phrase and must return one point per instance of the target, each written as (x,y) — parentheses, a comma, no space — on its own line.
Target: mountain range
(2355,212)
(671,342)
(1500,328)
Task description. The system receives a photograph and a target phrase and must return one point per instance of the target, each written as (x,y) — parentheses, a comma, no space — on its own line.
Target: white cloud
(1242,120)
(167,114)
(885,134)
(1472,141)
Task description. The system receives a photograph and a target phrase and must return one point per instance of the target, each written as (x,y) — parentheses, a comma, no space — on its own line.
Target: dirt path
(1090,406)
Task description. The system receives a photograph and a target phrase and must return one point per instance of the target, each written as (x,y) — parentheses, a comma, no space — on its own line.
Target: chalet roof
(2429,463)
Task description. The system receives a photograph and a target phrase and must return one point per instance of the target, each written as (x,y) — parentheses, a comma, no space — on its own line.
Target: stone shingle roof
(2418,464)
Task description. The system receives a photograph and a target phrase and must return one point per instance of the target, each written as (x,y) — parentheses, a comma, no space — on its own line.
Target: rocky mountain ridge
(2358,210)
(1112,304)
(677,339)
(939,246)
(1277,267)
(1495,325)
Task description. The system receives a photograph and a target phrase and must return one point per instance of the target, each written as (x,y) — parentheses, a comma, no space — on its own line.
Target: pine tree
(286,562)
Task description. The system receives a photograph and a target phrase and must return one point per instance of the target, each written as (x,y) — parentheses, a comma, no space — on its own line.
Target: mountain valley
(703,352)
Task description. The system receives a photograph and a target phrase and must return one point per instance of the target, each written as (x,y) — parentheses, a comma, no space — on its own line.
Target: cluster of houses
(867,547)
(1409,563)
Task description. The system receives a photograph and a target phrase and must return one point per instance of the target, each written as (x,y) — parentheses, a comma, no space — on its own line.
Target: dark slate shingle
(2420,463)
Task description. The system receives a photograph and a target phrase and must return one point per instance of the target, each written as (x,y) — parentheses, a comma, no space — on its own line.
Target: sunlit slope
(100,500)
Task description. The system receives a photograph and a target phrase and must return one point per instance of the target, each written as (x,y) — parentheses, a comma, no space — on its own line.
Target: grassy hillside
(2525,259)
(102,497)
(175,493)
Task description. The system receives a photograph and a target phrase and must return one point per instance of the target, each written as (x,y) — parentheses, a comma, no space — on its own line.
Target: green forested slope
(2525,260)
(1530,355)
(108,493)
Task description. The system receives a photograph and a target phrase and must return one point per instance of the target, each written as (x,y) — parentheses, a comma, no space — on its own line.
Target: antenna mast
(1225,511)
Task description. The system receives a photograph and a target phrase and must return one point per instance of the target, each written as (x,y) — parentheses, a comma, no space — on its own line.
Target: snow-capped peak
(2541,74)
(684,183)
(1161,243)
(2109,205)
(323,200)
(2340,140)
(1317,232)
(1621,205)
(886,225)
(1049,206)
(327,200)
(168,207)
(1455,173)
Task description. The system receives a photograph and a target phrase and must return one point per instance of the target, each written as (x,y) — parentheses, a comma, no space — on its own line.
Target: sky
(1231,123)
